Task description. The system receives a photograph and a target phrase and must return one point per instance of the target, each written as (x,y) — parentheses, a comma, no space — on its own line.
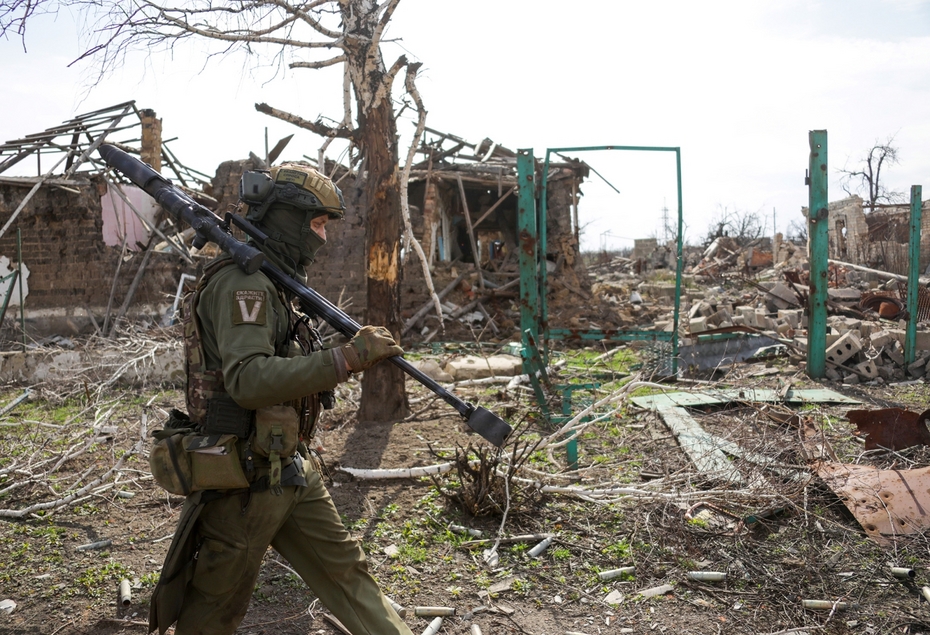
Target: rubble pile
(753,298)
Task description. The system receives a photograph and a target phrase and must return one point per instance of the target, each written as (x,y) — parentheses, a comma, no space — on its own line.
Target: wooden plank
(698,445)
(471,232)
(494,207)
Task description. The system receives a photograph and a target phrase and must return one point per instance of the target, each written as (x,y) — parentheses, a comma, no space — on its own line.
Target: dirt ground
(780,541)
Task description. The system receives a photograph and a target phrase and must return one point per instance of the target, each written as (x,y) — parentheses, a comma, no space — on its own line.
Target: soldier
(257,375)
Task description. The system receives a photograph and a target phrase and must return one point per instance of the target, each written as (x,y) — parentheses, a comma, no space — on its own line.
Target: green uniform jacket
(243,323)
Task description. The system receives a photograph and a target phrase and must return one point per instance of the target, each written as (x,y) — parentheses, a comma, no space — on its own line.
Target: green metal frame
(818,226)
(913,276)
(571,448)
(534,315)
(534,310)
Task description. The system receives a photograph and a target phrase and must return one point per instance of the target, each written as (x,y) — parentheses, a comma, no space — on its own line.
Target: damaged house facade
(91,248)
(877,238)
(96,250)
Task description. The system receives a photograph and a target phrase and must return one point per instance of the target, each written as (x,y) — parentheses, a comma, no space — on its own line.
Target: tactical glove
(369,346)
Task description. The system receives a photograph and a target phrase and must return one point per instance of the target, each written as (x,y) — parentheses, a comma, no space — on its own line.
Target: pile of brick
(861,350)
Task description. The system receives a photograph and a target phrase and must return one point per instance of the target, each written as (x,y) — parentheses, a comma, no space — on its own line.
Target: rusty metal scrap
(892,305)
(886,503)
(885,303)
(891,428)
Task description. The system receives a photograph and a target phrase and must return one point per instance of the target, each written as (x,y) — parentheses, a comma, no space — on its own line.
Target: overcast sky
(737,85)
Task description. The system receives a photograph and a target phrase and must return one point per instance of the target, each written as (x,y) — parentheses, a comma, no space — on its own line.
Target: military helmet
(294,184)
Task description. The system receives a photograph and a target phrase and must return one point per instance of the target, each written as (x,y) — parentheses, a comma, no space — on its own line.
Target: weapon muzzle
(489,425)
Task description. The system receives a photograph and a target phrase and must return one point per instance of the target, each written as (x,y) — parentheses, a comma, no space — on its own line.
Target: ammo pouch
(276,434)
(183,461)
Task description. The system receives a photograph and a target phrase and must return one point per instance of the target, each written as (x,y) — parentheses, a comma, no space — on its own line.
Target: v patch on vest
(249,307)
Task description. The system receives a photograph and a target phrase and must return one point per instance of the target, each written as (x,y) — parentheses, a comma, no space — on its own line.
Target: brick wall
(70,266)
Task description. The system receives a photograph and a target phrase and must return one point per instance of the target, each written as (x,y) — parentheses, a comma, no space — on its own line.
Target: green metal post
(571,448)
(679,265)
(22,308)
(529,253)
(541,249)
(913,273)
(817,223)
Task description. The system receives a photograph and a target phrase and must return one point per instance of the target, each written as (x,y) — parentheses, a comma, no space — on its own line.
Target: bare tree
(307,34)
(741,225)
(797,232)
(867,179)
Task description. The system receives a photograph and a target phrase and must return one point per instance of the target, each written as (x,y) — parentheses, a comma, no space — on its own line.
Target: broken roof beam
(495,206)
(430,151)
(452,176)
(450,137)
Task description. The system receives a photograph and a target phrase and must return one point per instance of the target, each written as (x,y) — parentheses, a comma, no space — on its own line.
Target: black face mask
(312,244)
(290,236)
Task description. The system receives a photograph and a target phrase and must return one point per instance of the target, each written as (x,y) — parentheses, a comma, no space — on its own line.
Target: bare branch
(317,127)
(383,21)
(412,70)
(868,179)
(322,64)
(307,18)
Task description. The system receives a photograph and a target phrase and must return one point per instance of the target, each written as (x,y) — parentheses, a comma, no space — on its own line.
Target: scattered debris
(891,428)
(886,503)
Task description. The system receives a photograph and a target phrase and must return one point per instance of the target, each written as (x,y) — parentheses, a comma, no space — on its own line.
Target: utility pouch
(215,462)
(183,461)
(276,434)
(225,416)
(168,461)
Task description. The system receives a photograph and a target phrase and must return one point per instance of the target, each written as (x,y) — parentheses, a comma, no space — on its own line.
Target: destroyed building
(85,240)
(876,238)
(463,202)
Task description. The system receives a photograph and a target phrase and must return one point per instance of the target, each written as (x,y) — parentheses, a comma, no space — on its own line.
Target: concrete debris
(762,285)
(473,367)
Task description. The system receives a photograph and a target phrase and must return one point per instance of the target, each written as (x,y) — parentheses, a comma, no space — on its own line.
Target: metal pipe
(903,573)
(708,576)
(678,267)
(100,544)
(433,627)
(125,593)
(434,611)
(400,610)
(825,605)
(817,223)
(913,275)
(603,576)
(22,304)
(528,246)
(539,548)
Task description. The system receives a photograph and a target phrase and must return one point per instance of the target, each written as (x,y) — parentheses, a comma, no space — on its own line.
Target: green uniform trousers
(302,524)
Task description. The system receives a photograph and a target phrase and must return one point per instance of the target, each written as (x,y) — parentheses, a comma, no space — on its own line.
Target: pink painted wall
(119,219)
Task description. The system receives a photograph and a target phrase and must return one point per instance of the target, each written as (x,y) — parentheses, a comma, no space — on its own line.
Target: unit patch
(249,307)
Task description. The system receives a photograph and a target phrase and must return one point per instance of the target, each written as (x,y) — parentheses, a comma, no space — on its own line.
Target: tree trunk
(384,397)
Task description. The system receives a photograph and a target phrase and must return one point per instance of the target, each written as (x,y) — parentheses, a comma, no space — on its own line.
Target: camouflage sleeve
(242,318)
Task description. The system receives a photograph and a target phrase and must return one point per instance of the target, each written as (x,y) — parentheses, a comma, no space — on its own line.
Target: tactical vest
(206,387)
